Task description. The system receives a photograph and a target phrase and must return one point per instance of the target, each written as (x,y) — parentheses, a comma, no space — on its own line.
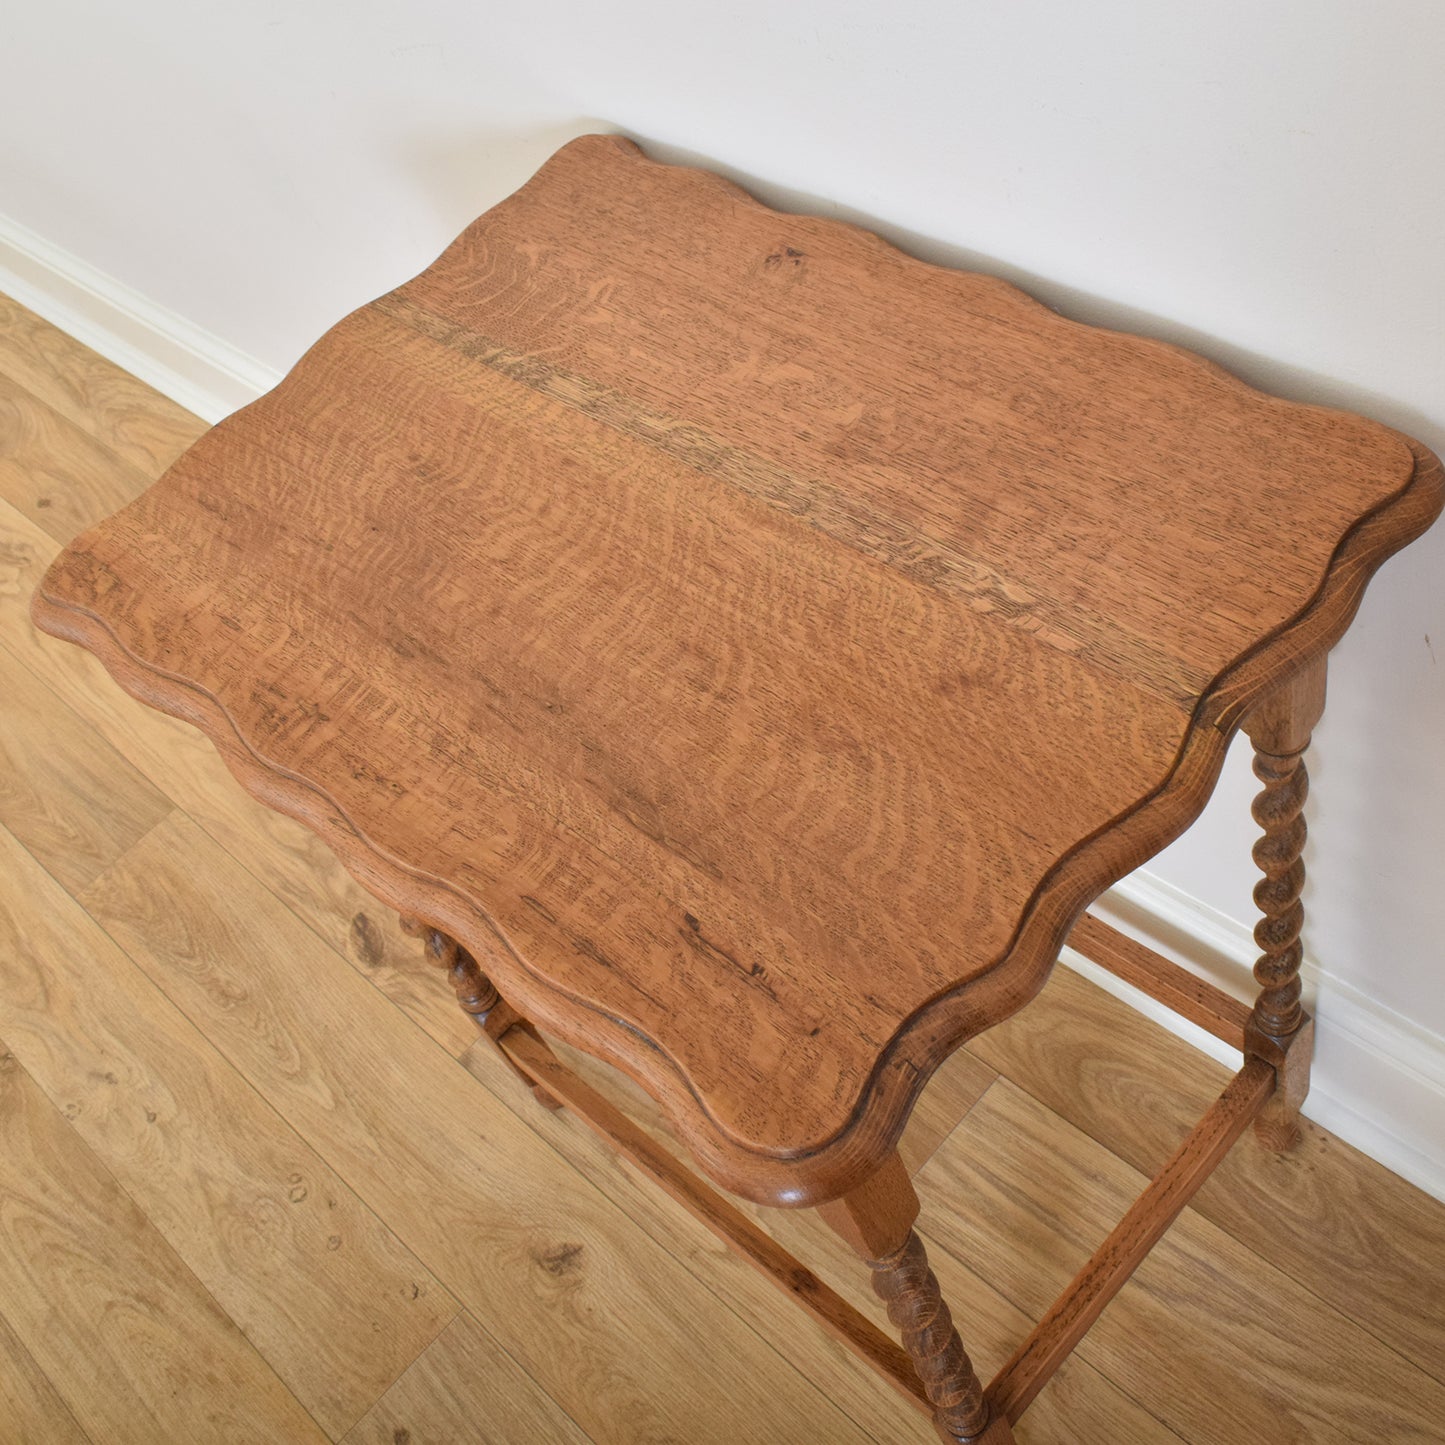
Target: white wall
(1259,181)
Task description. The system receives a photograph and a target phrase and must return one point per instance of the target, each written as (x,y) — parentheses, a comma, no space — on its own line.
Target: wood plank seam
(526,1109)
(1063,1325)
(1187,994)
(27,1363)
(432,1251)
(535,1060)
(1110,1267)
(177,1263)
(285,1142)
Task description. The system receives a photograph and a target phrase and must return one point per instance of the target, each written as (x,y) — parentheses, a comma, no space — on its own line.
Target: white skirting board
(200,371)
(1378,1079)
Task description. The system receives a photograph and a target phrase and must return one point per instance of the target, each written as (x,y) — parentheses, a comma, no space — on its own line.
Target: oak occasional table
(744,652)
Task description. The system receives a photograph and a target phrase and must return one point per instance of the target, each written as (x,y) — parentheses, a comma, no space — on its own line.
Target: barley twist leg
(877,1219)
(476,993)
(906,1284)
(1279,1030)
(1278,810)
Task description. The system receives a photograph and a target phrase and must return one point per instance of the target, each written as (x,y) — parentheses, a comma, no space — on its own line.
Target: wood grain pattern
(465,1390)
(1186,993)
(719,1215)
(1111,1265)
(53,472)
(878,553)
(955,1087)
(1355,1235)
(299,869)
(617,1331)
(84,1275)
(478,997)
(64,792)
(322,1289)
(143,429)
(1266,1358)
(30,1408)
(834,1368)
(290,859)
(875,1217)
(1080,1405)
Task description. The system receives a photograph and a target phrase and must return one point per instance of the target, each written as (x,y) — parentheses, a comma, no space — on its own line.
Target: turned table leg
(1279,1030)
(476,993)
(877,1220)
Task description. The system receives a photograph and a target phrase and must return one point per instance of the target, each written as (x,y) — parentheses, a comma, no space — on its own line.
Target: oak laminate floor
(259,1180)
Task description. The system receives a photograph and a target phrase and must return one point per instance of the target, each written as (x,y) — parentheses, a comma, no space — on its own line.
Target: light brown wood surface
(91,483)
(64,792)
(715,1212)
(1324,1214)
(754,645)
(291,1254)
(534,1250)
(30,1406)
(1183,992)
(136,424)
(1032,1222)
(140,1349)
(1079,1404)
(1357,1255)
(1068,1319)
(465,1389)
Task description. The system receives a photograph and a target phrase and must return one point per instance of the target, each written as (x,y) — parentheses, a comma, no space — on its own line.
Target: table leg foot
(1278,1126)
(476,993)
(877,1220)
(998,1431)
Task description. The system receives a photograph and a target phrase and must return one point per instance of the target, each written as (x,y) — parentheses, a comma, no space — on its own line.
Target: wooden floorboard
(837,1371)
(30,1407)
(204,1016)
(465,1388)
(1137,1090)
(1263,1353)
(69,796)
(595,1310)
(143,428)
(314,1279)
(1081,1405)
(53,472)
(124,1332)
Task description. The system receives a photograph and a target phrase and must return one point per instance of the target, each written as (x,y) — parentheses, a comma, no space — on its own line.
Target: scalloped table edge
(938,1027)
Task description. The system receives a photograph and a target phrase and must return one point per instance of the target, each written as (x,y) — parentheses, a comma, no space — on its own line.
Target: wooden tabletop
(755,645)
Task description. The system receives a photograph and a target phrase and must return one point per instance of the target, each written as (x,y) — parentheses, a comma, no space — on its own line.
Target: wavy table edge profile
(942,1023)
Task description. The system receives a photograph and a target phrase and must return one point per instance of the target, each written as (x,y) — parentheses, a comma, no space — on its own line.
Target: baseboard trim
(1364,1050)
(194,368)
